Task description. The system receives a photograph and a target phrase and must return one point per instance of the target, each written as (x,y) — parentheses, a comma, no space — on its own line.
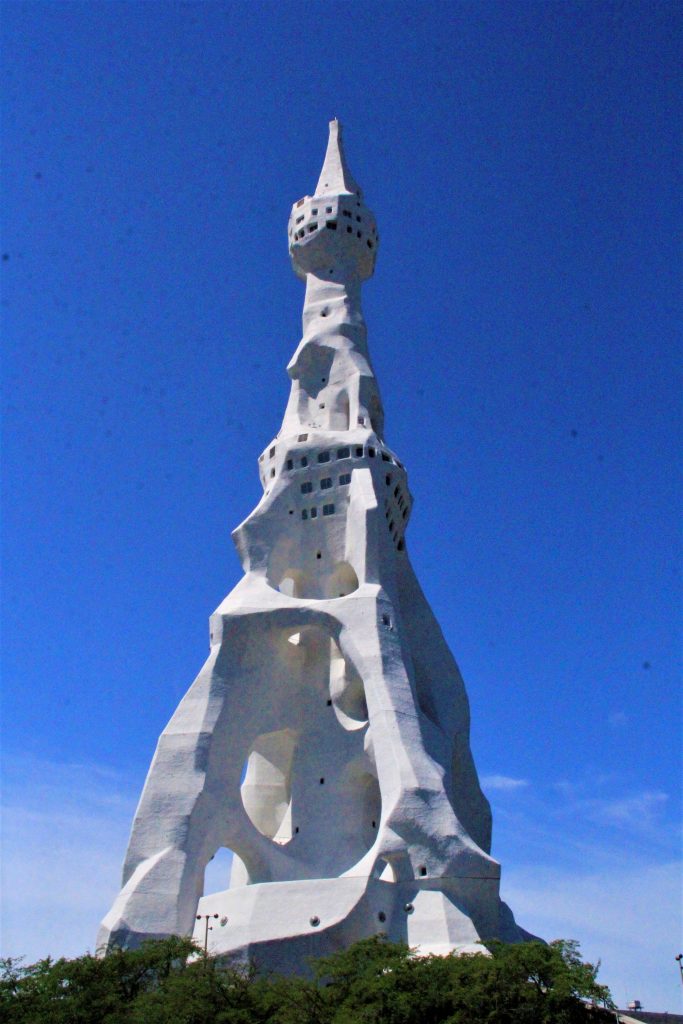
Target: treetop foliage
(373,982)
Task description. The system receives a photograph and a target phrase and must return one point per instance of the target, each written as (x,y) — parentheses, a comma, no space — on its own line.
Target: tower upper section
(333,234)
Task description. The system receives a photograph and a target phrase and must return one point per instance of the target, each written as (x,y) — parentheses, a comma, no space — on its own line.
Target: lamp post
(679,961)
(207,928)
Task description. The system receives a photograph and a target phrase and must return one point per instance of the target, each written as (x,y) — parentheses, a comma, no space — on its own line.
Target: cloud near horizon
(65,829)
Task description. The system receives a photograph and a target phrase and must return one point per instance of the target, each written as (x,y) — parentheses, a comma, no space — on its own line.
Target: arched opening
(292,583)
(342,581)
(340,413)
(347,691)
(267,787)
(225,870)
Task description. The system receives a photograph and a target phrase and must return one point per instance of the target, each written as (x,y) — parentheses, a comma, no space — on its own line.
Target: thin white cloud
(629,917)
(589,871)
(504,782)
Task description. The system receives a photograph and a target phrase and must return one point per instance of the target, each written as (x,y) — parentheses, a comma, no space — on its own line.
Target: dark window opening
(345,478)
(349,230)
(290,463)
(272,472)
(314,212)
(359,452)
(329,703)
(314,513)
(300,201)
(396,490)
(321,405)
(343,453)
(318,554)
(386,621)
(322,782)
(361,420)
(400,545)
(304,513)
(358,218)
(296,830)
(331,224)
(326,483)
(302,437)
(291,511)
(315,921)
(304,462)
(391,524)
(299,219)
(386,458)
(328,209)
(271,453)
(423,870)
(374,824)
(371,452)
(312,227)
(388,479)
(328,510)
(381,916)
(369,244)
(358,234)
(323,456)
(307,487)
(347,213)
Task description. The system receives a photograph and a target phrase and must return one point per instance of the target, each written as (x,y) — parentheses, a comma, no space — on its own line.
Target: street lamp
(679,960)
(207,928)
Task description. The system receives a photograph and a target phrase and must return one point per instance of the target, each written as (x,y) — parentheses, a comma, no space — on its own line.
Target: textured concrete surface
(326,739)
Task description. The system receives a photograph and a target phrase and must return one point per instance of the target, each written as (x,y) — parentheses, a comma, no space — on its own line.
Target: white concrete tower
(326,739)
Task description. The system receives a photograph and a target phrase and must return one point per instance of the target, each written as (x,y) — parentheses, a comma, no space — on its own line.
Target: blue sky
(523,162)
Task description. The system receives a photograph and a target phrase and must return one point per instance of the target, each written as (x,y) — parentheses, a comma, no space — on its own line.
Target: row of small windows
(325,483)
(312,513)
(357,451)
(332,225)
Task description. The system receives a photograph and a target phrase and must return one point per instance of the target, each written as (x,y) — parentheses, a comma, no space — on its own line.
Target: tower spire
(335,176)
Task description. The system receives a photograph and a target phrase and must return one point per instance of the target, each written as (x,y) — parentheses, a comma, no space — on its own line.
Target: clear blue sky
(523,161)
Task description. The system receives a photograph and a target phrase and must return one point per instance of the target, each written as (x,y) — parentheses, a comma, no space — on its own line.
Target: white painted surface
(328,677)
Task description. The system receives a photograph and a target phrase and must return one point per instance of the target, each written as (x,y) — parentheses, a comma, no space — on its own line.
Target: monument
(326,739)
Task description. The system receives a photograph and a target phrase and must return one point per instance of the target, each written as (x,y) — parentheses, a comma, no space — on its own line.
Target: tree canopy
(372,982)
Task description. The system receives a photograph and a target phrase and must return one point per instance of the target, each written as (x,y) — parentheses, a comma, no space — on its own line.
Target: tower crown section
(333,234)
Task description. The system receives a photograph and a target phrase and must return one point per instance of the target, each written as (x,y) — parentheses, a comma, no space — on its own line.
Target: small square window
(331,224)
(299,219)
(314,212)
(323,456)
(343,453)
(388,479)
(361,420)
(371,452)
(357,218)
(312,227)
(328,209)
(385,457)
(304,513)
(326,483)
(314,513)
(304,462)
(272,472)
(271,453)
(306,487)
(328,510)
(359,452)
(290,463)
(347,213)
(345,478)
(302,437)
(396,490)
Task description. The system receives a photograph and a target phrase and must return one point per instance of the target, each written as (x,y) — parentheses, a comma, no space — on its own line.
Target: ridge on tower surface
(325,741)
